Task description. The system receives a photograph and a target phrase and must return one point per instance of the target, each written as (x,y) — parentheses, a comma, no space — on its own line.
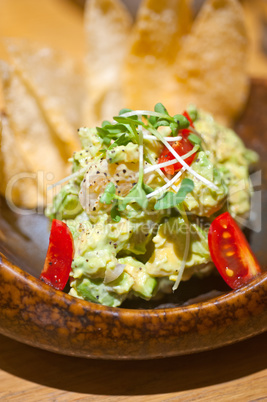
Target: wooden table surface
(233,373)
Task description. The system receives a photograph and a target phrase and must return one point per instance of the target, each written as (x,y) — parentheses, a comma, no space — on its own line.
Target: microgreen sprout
(171,200)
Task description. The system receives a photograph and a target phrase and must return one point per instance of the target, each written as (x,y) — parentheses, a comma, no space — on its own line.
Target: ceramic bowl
(36,314)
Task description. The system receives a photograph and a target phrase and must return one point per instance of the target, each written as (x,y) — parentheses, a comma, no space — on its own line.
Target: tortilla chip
(56,82)
(18,183)
(156,39)
(40,146)
(107,27)
(255,12)
(210,69)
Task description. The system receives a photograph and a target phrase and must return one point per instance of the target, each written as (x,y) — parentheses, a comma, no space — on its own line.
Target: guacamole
(143,192)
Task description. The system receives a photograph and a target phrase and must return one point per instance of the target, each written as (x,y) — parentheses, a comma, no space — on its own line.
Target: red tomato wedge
(59,256)
(231,252)
(182,147)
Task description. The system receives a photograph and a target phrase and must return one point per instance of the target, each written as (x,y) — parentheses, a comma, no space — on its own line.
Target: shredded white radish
(157,169)
(72,176)
(169,139)
(187,167)
(141,113)
(160,166)
(167,185)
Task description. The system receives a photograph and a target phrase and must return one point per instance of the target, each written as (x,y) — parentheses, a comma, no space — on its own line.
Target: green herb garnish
(171,200)
(176,122)
(124,139)
(114,213)
(109,194)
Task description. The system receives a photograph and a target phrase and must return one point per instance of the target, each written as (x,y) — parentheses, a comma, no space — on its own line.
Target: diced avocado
(122,284)
(92,264)
(94,290)
(90,140)
(203,200)
(170,245)
(142,233)
(251,156)
(123,153)
(66,203)
(228,152)
(96,245)
(143,284)
(80,160)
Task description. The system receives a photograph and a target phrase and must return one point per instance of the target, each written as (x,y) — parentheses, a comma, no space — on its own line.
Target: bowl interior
(24,236)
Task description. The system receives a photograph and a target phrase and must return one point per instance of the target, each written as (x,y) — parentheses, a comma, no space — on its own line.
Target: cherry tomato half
(182,147)
(231,252)
(59,256)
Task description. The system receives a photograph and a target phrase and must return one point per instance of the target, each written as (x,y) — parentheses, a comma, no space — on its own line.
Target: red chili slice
(231,252)
(182,147)
(59,256)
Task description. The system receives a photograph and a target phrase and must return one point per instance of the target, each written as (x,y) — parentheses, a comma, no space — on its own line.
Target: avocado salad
(143,192)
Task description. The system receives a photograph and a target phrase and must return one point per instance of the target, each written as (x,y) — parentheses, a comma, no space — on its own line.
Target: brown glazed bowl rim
(50,319)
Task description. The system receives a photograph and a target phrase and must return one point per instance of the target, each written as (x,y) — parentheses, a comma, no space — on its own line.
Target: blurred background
(59,23)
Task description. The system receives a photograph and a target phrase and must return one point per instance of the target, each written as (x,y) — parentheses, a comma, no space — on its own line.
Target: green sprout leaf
(124,139)
(181,121)
(137,194)
(109,194)
(174,128)
(171,200)
(104,135)
(162,122)
(114,213)
(147,189)
(124,110)
(159,108)
(105,123)
(128,120)
(194,139)
(153,120)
